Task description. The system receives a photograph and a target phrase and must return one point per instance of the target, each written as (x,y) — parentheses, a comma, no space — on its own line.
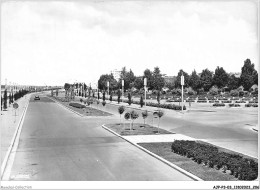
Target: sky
(53,42)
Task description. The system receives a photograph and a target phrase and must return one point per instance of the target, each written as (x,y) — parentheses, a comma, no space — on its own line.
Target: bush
(234,105)
(234,93)
(243,168)
(240,101)
(251,105)
(226,101)
(213,91)
(219,105)
(77,105)
(202,101)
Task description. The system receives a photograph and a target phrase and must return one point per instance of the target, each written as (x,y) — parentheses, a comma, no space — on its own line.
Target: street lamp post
(182,83)
(145,84)
(108,88)
(122,89)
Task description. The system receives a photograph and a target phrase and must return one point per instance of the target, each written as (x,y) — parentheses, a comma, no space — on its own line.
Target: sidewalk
(9,124)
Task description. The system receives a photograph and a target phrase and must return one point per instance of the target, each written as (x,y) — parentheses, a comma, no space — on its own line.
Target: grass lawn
(88,111)
(137,129)
(204,172)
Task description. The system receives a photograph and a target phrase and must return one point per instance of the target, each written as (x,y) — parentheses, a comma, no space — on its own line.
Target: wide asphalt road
(56,144)
(226,127)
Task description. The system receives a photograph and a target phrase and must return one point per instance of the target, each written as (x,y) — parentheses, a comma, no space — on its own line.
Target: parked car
(36,98)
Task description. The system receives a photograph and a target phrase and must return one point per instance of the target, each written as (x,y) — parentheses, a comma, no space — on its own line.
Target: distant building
(116,73)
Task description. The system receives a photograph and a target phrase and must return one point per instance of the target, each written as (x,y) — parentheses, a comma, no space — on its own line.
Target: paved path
(56,144)
(9,123)
(157,138)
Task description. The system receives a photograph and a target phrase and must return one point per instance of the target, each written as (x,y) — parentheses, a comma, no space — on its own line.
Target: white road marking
(10,156)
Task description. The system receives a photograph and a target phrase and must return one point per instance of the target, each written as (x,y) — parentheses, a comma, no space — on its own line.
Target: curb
(65,107)
(157,157)
(4,164)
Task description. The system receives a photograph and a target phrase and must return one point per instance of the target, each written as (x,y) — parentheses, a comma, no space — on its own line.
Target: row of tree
(205,80)
(11,97)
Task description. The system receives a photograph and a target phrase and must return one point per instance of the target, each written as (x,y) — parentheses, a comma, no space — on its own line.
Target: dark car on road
(36,98)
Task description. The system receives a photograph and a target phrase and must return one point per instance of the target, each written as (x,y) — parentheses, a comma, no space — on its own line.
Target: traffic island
(81,110)
(126,129)
(195,166)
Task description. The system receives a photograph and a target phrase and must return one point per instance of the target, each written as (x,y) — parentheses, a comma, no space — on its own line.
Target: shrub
(141,101)
(243,168)
(218,104)
(234,105)
(240,101)
(213,91)
(144,115)
(133,115)
(77,105)
(121,110)
(202,101)
(234,93)
(251,105)
(104,103)
(226,101)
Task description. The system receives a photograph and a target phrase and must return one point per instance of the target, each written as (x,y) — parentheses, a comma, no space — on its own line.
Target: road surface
(56,144)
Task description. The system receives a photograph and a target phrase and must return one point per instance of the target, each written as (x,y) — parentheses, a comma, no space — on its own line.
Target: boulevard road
(56,144)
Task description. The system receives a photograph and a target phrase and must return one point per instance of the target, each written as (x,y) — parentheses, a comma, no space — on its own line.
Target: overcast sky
(56,42)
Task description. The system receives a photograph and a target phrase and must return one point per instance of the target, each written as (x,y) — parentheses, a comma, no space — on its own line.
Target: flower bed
(219,104)
(77,105)
(242,168)
(251,105)
(234,105)
(240,101)
(255,101)
(226,101)
(202,101)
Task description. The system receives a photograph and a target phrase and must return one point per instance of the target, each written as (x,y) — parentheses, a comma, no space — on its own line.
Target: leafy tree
(1,103)
(170,85)
(104,96)
(206,79)
(121,110)
(118,96)
(194,81)
(138,83)
(144,115)
(149,75)
(128,78)
(233,82)
(111,97)
(5,99)
(133,115)
(213,91)
(248,74)
(178,79)
(102,82)
(141,101)
(160,114)
(158,80)
(220,77)
(234,93)
(10,99)
(158,96)
(98,95)
(129,98)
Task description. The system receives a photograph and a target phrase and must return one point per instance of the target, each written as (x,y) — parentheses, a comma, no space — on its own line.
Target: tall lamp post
(145,84)
(182,83)
(123,89)
(108,88)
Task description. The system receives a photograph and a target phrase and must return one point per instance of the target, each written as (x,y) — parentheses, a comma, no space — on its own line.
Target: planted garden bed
(234,105)
(136,129)
(219,105)
(242,168)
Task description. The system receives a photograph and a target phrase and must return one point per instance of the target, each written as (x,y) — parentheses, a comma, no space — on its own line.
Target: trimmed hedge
(77,105)
(240,101)
(219,104)
(241,168)
(226,101)
(255,101)
(234,105)
(202,101)
(251,105)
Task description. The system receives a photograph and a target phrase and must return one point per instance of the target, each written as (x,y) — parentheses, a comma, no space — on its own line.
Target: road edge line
(19,127)
(192,176)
